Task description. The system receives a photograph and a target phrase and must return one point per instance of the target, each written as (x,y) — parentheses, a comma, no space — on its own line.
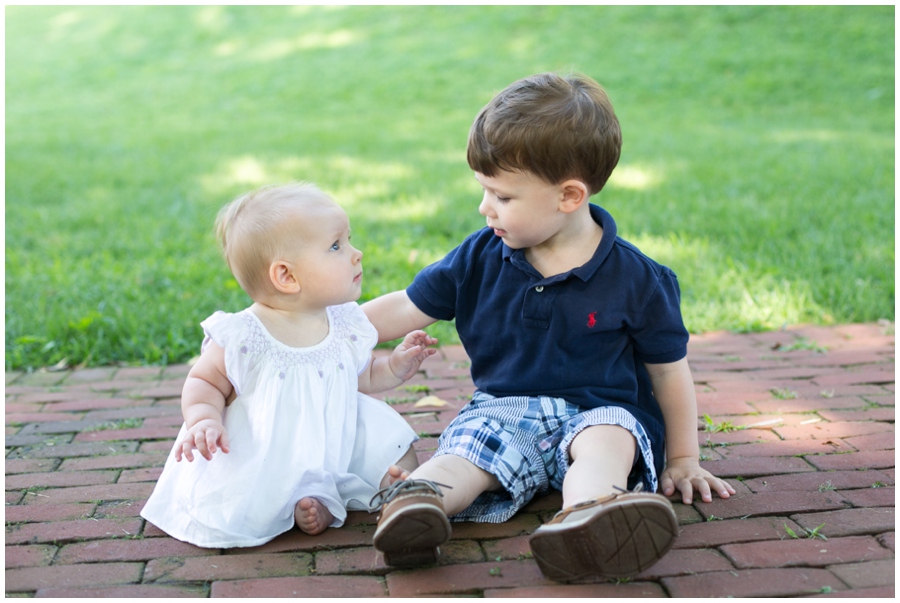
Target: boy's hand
(407,357)
(207,436)
(686,474)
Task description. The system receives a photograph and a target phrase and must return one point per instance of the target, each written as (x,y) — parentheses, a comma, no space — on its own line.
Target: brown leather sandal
(412,524)
(616,537)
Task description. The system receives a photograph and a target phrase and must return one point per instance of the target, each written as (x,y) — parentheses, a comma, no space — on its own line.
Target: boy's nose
(357,255)
(484,207)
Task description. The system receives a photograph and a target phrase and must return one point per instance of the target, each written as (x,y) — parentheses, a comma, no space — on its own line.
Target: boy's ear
(281,274)
(574,194)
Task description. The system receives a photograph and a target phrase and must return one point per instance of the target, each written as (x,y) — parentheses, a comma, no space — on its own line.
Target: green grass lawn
(757,159)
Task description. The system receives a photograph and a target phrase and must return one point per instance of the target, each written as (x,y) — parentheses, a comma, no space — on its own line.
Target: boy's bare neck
(294,328)
(567,250)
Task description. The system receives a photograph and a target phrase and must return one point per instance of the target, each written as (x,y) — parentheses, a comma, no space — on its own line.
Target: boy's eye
(335,246)
(503,199)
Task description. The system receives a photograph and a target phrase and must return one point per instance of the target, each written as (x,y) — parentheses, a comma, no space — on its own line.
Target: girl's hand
(686,474)
(407,357)
(207,436)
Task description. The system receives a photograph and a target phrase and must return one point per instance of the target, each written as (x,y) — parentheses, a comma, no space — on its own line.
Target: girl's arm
(386,373)
(673,387)
(203,404)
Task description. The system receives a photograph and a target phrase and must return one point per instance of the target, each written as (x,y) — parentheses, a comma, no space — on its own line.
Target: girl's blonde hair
(251,232)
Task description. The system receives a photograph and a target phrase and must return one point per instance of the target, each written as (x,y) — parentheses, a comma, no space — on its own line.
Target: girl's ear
(281,274)
(574,194)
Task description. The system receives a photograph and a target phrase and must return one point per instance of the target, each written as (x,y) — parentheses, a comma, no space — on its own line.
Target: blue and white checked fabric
(524,442)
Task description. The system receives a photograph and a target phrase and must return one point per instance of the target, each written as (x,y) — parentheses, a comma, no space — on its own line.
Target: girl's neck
(294,328)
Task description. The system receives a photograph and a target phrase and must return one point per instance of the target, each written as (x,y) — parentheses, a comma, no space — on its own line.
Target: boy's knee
(602,440)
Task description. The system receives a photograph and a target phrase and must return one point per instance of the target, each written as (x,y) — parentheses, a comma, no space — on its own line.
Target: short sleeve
(661,336)
(228,331)
(361,333)
(435,288)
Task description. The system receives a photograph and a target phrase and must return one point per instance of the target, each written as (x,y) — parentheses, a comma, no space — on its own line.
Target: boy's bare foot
(312,516)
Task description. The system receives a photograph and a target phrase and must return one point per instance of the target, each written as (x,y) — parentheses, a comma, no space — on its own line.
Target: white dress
(297,428)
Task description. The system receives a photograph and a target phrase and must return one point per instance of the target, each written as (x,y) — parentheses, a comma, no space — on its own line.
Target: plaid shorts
(524,442)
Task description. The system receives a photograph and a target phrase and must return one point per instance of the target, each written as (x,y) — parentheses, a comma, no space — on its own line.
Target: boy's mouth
(358,278)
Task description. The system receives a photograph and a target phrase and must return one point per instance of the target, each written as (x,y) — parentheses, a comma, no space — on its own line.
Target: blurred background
(758,156)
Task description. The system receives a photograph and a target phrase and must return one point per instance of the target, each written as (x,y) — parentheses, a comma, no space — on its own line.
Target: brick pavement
(800,421)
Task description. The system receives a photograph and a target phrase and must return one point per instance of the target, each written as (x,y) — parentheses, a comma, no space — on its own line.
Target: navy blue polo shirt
(582,335)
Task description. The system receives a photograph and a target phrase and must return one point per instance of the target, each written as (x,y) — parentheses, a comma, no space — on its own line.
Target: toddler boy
(578,353)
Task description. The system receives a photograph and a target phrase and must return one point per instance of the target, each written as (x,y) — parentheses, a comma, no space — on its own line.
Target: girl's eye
(335,246)
(503,199)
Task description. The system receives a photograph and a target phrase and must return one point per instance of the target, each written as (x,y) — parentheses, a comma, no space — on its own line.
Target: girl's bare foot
(312,516)
(395,473)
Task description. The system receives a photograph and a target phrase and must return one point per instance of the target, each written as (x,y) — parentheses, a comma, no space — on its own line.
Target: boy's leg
(464,479)
(601,530)
(602,457)
(413,521)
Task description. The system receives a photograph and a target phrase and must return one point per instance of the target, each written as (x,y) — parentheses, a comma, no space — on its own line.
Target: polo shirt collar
(585,272)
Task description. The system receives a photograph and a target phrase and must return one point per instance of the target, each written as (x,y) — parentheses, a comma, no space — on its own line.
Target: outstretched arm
(394,315)
(202,404)
(674,390)
(404,361)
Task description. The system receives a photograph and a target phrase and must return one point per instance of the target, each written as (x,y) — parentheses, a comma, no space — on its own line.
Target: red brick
(786,448)
(106,492)
(29,579)
(140,433)
(523,523)
(141,549)
(686,561)
(49,512)
(140,475)
(866,574)
(332,538)
(144,591)
(716,533)
(40,417)
(771,503)
(880,413)
(878,592)
(840,480)
(462,579)
(629,590)
(870,497)
(227,567)
(304,586)
(507,548)
(60,479)
(825,430)
(95,403)
(139,412)
(878,441)
(119,461)
(140,373)
(849,522)
(812,404)
(807,552)
(161,447)
(29,555)
(78,529)
(887,540)
(75,450)
(879,459)
(753,467)
(780,582)
(29,465)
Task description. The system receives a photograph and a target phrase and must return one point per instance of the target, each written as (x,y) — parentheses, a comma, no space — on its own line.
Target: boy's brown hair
(556,127)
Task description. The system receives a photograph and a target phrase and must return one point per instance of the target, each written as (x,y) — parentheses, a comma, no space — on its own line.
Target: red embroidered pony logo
(592,320)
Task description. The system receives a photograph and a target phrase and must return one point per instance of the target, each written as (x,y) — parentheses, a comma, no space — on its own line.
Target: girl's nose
(357,255)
